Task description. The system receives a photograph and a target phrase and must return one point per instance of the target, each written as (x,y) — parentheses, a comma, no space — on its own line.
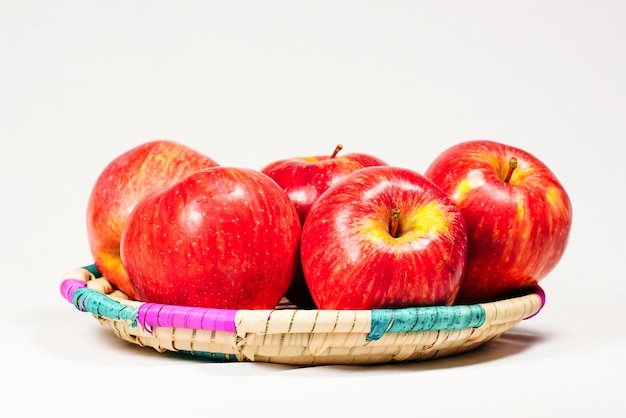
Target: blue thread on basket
(427,318)
(91,268)
(89,300)
(217,357)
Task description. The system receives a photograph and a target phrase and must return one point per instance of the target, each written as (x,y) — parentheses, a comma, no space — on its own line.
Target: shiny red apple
(383,237)
(223,237)
(305,179)
(518,216)
(137,172)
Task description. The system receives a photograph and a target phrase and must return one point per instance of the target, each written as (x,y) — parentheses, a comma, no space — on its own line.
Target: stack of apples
(485,221)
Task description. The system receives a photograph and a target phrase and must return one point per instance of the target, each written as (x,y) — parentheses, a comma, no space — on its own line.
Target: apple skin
(305,179)
(137,172)
(352,259)
(517,230)
(223,237)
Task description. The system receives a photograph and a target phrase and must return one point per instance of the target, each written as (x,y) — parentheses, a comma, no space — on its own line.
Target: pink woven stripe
(542,296)
(159,315)
(68,286)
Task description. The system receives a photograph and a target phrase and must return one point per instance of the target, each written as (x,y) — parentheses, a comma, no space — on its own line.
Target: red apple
(305,179)
(383,237)
(223,237)
(518,216)
(137,172)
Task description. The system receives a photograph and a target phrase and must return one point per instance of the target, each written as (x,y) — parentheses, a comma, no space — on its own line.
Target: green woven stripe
(93,270)
(89,300)
(428,318)
(219,357)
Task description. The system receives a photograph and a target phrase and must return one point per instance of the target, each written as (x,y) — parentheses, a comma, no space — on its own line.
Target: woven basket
(289,335)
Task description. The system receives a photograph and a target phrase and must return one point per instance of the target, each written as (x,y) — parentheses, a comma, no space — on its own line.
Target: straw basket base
(288,335)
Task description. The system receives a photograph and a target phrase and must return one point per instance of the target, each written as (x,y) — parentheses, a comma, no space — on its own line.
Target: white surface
(251,82)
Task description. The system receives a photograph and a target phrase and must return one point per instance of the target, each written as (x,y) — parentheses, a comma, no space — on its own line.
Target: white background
(250,82)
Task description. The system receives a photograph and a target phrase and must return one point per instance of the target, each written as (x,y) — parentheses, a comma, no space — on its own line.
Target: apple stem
(394,222)
(338,148)
(512,167)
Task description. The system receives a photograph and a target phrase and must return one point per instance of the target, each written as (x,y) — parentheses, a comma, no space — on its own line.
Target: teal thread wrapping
(89,300)
(216,357)
(427,318)
(93,270)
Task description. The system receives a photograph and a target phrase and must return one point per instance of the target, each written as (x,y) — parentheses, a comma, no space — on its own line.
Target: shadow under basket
(288,335)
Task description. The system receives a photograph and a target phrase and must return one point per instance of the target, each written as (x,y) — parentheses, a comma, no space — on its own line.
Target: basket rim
(89,292)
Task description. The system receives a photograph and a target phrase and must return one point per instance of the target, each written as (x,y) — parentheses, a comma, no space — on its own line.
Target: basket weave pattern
(297,336)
